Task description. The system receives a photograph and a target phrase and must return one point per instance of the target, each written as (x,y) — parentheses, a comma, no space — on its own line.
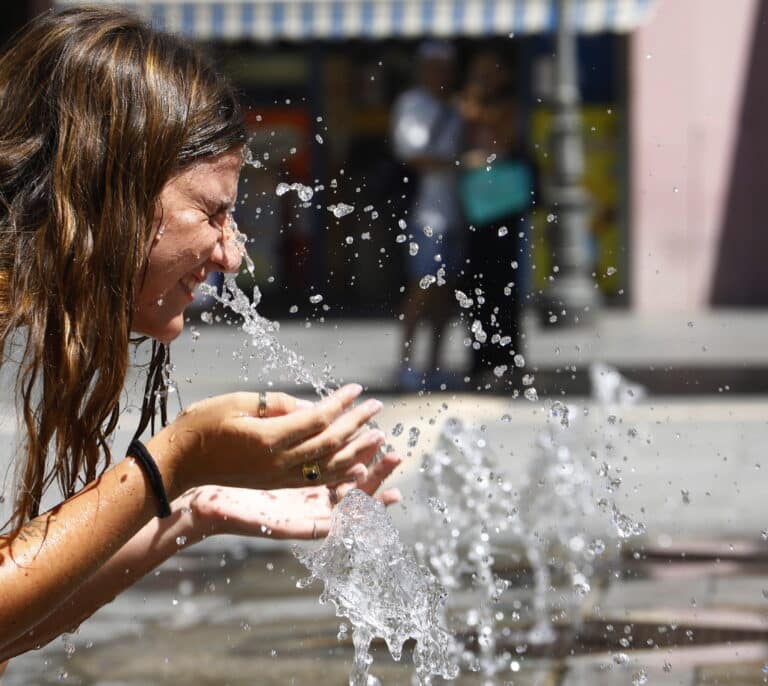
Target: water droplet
(413,436)
(519,360)
(639,678)
(437,505)
(319,138)
(427,280)
(401,238)
(413,249)
(610,271)
(531,394)
(428,231)
(397,429)
(316,298)
(581,586)
(503,231)
(341,209)
(463,299)
(206,317)
(181,540)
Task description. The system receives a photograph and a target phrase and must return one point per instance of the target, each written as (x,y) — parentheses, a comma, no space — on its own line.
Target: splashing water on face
(263,332)
(375,582)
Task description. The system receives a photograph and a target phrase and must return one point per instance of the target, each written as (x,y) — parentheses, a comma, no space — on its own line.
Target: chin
(163,332)
(171,330)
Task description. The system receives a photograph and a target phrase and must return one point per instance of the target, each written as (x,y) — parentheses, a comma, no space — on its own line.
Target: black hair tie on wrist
(139,451)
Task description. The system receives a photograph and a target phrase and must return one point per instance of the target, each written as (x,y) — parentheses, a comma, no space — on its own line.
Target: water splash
(262,331)
(375,582)
(556,498)
(468,505)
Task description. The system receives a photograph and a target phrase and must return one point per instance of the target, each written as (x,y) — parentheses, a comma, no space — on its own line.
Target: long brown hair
(97,112)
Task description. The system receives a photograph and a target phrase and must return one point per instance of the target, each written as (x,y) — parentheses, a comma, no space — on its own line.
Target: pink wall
(687,69)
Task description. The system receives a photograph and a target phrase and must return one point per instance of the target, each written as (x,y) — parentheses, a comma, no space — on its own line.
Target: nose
(227,255)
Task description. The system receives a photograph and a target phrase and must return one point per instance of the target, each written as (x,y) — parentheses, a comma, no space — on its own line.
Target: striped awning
(267,20)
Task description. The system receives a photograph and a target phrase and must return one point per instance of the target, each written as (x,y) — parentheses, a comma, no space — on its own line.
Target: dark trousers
(490,270)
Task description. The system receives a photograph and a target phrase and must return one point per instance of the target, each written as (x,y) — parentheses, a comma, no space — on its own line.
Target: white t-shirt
(423,126)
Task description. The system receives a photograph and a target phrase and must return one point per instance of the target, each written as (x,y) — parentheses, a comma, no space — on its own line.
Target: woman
(498,190)
(120,151)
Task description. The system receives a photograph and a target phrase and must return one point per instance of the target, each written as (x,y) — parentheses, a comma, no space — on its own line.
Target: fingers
(376,474)
(389,497)
(338,435)
(360,451)
(279,404)
(380,471)
(304,423)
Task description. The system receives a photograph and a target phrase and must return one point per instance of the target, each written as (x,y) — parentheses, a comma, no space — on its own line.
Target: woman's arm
(152,545)
(45,563)
(289,513)
(50,558)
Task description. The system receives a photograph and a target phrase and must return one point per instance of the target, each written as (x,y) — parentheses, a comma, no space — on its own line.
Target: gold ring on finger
(262,411)
(310,471)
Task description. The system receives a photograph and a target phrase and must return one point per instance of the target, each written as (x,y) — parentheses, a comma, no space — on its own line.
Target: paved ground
(229,620)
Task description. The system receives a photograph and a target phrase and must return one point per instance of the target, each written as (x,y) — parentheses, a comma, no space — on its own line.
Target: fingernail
(355,389)
(373,405)
(304,404)
(375,437)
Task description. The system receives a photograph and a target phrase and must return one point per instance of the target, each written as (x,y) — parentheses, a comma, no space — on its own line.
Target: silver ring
(333,495)
(314,529)
(262,411)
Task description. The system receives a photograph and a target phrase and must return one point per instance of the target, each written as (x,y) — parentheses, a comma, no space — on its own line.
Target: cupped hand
(224,441)
(297,513)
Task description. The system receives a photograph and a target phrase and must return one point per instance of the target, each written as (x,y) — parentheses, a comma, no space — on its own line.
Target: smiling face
(191,237)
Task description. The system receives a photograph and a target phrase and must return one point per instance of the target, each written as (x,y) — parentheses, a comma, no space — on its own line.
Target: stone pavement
(237,621)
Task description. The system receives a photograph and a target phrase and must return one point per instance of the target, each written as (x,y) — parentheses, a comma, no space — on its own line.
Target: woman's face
(192,236)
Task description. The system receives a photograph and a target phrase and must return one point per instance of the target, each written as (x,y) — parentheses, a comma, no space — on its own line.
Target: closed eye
(222,217)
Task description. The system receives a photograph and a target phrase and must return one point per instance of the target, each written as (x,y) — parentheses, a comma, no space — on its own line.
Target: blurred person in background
(498,188)
(427,134)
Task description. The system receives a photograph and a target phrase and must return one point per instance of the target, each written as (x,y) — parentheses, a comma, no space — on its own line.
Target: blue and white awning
(267,20)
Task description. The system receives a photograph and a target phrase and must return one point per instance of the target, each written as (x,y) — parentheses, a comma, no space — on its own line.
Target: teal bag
(490,195)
